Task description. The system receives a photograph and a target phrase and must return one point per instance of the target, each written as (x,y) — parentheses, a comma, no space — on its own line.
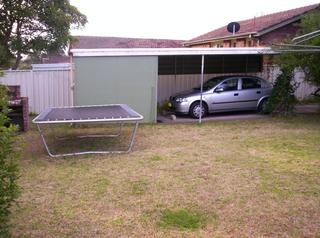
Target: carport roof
(171,51)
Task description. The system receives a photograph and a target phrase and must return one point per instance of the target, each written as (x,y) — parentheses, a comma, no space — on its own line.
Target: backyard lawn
(255,178)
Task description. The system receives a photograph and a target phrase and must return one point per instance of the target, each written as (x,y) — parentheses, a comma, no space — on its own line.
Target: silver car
(224,93)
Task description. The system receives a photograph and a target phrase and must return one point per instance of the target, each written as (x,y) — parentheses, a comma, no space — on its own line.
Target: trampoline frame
(120,120)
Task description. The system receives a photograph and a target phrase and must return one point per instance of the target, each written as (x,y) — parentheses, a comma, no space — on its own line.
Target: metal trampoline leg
(44,142)
(132,137)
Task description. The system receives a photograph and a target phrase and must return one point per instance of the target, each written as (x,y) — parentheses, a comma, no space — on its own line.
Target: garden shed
(145,78)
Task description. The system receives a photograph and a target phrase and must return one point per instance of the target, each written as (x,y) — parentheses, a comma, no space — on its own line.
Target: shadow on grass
(69,139)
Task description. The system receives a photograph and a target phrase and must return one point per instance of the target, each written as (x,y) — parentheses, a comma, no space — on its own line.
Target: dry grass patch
(225,179)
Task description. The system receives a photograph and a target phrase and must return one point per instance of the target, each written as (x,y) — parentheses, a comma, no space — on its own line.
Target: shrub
(163,108)
(282,99)
(9,189)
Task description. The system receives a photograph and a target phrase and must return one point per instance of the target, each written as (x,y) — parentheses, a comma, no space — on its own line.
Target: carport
(132,76)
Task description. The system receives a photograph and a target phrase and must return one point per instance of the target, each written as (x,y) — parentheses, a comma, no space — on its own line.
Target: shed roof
(256,25)
(98,42)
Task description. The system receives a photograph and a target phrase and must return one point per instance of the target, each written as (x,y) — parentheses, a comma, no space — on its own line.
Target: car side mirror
(219,90)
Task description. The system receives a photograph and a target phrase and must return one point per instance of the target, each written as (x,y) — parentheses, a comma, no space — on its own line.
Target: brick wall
(241,42)
(226,44)
(19,109)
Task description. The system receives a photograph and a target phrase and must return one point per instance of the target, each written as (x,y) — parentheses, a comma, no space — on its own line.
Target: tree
(308,62)
(35,27)
(282,99)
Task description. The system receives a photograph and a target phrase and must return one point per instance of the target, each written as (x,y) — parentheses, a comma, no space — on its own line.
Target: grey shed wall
(130,80)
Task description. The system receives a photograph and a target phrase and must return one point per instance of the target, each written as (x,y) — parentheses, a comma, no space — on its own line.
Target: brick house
(256,32)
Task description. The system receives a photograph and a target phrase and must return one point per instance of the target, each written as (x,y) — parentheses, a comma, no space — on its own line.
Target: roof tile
(98,42)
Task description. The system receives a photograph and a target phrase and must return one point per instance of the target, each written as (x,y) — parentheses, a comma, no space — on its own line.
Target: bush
(9,189)
(163,108)
(282,99)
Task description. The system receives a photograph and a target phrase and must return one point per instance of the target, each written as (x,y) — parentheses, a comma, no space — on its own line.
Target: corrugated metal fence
(44,88)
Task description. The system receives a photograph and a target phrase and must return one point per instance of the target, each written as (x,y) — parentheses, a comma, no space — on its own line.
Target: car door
(225,96)
(250,92)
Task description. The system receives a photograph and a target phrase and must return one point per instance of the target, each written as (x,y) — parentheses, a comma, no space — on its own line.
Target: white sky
(171,19)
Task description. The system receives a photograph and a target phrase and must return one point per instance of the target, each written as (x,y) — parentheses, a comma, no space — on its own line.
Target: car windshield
(211,83)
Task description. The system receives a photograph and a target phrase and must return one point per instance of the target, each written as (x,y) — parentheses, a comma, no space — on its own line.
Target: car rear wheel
(195,110)
(262,105)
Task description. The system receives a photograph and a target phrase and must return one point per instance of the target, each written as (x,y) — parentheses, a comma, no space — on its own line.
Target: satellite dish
(233,27)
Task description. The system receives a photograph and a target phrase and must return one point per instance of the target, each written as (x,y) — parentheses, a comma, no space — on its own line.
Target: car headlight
(181,100)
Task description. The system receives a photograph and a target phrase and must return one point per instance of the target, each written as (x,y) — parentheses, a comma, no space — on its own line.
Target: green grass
(138,187)
(182,218)
(156,158)
(255,178)
(100,186)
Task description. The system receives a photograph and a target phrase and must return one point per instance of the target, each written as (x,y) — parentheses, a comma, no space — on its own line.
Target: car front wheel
(195,110)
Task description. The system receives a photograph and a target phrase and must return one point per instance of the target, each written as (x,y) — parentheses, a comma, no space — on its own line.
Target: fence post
(71,81)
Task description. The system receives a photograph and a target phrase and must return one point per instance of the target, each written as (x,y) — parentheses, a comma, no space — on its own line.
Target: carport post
(201,88)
